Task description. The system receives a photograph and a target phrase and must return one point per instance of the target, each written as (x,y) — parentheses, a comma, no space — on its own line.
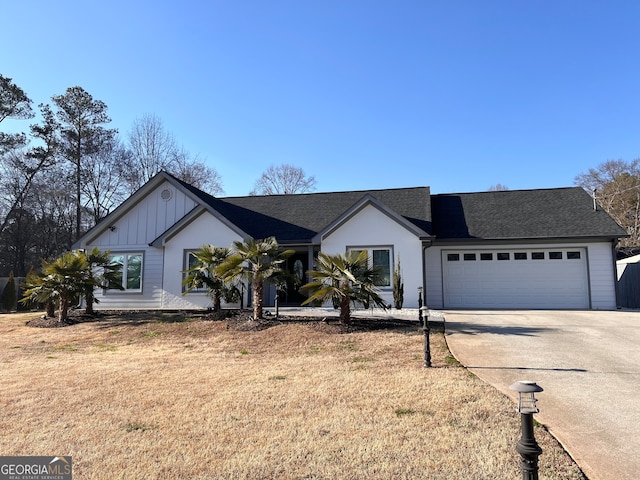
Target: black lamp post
(527,446)
(420,306)
(424,321)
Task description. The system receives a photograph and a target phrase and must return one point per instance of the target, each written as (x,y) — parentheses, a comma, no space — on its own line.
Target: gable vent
(166,194)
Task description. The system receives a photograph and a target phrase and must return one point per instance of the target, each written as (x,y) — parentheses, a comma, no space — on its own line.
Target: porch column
(309,261)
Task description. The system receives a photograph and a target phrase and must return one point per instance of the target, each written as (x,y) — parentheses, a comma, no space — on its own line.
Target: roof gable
(368,200)
(299,218)
(112,221)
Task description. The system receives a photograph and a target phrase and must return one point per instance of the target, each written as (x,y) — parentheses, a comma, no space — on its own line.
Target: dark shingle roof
(511,214)
(520,214)
(298,218)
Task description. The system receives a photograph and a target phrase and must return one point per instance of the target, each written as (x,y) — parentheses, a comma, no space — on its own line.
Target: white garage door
(551,278)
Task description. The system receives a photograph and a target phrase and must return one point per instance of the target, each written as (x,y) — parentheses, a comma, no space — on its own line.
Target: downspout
(425,244)
(310,262)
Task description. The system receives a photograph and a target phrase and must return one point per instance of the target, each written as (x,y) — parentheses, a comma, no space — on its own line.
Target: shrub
(398,287)
(9,294)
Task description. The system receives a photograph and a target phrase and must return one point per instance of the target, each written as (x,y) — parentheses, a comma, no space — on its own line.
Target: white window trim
(185,265)
(126,255)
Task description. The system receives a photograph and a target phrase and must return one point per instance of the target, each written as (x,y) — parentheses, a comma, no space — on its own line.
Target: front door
(296,267)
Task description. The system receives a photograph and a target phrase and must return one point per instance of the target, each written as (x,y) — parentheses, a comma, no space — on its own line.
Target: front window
(382,266)
(191,262)
(129,273)
(380,261)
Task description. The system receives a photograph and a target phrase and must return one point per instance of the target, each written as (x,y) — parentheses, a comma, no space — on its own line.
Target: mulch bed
(236,319)
(48,322)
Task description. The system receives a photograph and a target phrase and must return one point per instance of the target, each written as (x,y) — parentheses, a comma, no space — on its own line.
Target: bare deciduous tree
(616,184)
(153,149)
(68,172)
(103,185)
(283,179)
(196,172)
(498,187)
(20,167)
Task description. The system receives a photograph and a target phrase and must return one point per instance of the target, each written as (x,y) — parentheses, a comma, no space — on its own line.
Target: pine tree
(9,294)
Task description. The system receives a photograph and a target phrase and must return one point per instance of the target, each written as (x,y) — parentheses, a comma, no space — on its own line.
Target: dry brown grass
(194,399)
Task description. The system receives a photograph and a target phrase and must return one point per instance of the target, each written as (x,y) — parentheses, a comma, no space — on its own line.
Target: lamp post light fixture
(424,321)
(527,446)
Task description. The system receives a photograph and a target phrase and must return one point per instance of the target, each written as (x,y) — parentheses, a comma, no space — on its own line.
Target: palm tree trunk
(50,309)
(216,300)
(63,312)
(88,309)
(258,288)
(88,297)
(345,310)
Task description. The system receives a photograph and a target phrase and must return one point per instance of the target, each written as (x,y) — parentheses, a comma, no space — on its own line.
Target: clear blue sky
(456,95)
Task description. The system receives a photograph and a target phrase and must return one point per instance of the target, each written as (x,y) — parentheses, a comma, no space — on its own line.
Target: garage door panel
(545,283)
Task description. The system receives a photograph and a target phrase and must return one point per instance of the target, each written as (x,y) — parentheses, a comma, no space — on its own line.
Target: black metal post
(424,322)
(276,304)
(528,448)
(427,347)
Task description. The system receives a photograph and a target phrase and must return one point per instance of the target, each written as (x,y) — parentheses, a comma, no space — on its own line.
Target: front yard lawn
(171,396)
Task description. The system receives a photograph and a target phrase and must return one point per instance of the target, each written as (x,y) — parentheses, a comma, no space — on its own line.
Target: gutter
(425,244)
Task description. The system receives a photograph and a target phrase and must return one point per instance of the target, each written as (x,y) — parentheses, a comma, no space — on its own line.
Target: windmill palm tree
(203,273)
(256,261)
(343,280)
(34,279)
(99,272)
(63,280)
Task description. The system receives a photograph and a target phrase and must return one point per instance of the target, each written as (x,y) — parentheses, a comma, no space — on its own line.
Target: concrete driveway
(588,363)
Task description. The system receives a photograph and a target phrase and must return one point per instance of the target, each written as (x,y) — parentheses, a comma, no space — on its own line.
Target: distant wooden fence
(629,285)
